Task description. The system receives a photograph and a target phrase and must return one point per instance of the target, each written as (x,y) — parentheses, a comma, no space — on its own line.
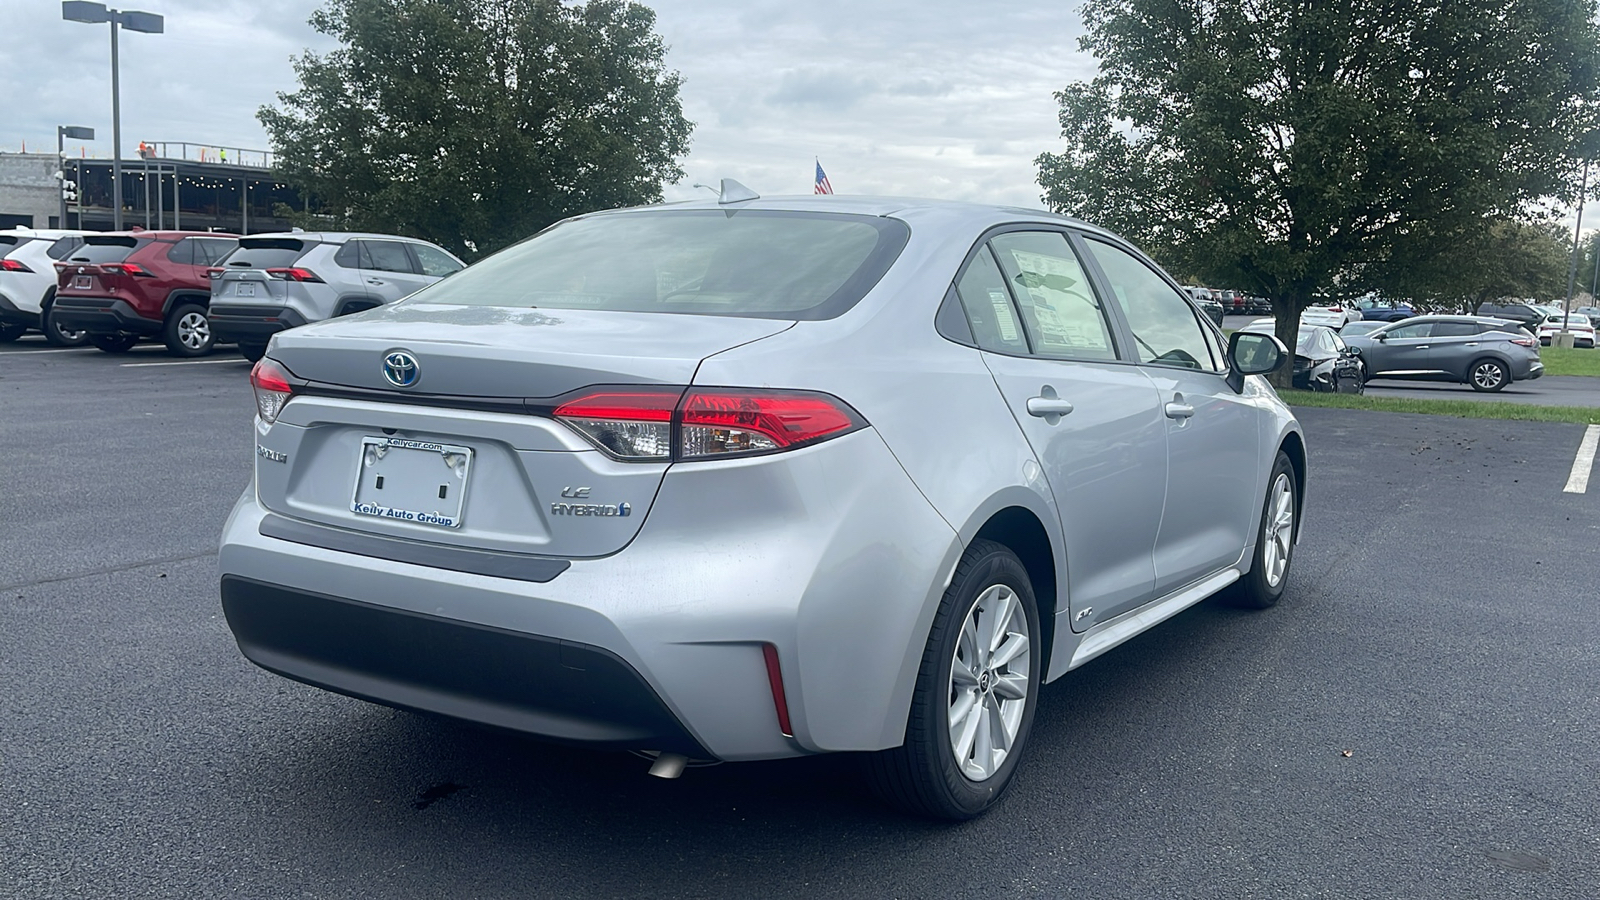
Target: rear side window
(107,249)
(267,253)
(63,246)
(1059,308)
(990,313)
(349,255)
(1453,329)
(385,256)
(753,262)
(434,261)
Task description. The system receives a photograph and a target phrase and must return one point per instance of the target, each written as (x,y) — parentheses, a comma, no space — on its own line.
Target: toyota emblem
(400,368)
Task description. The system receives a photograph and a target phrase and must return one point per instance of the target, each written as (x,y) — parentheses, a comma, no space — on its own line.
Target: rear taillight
(126,269)
(214,272)
(705,423)
(294,274)
(271,383)
(1523,342)
(11,265)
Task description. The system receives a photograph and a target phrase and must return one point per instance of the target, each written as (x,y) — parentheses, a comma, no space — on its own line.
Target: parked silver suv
(762,478)
(278,281)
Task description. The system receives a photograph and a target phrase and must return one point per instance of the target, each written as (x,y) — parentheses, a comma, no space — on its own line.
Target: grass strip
(1461,409)
(1570,361)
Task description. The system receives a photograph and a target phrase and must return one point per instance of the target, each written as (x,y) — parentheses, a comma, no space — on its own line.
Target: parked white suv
(28,282)
(273,282)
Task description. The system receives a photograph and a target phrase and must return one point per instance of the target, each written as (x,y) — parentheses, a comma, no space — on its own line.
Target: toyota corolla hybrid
(758,478)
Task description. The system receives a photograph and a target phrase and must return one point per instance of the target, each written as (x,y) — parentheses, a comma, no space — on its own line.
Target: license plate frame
(244,289)
(82,282)
(391,466)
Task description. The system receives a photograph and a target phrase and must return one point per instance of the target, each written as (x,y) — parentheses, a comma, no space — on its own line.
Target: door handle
(374,281)
(1420,347)
(1472,343)
(1177,409)
(1048,406)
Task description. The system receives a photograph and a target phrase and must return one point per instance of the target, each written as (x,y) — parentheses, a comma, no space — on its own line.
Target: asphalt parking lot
(1418,719)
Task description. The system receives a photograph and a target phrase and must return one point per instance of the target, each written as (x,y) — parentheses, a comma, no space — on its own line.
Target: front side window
(990,313)
(1166,331)
(1418,330)
(753,262)
(1059,308)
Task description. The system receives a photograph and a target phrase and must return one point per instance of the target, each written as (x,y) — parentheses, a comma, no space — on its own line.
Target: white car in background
(28,282)
(1579,325)
(1333,315)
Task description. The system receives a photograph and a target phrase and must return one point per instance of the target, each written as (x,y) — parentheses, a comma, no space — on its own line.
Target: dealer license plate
(244,290)
(411,481)
(82,281)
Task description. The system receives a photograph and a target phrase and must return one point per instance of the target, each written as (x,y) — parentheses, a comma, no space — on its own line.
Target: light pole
(77,133)
(146,23)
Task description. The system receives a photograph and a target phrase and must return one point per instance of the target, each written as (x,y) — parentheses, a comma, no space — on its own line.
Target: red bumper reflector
(775,678)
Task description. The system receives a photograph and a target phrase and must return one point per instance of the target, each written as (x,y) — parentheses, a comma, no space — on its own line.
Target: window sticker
(1004,317)
(1066,313)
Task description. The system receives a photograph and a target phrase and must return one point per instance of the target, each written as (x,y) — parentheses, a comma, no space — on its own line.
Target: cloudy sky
(933,98)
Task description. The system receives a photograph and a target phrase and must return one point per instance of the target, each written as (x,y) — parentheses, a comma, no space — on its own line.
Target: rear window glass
(63,246)
(758,263)
(105,249)
(266,253)
(7,241)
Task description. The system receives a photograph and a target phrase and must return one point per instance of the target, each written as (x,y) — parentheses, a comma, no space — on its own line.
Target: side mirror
(1381,336)
(1252,353)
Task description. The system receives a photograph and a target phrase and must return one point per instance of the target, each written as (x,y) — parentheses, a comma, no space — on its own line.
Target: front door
(1212,433)
(1404,350)
(1091,419)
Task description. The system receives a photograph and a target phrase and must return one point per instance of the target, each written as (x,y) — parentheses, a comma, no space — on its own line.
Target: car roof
(159,235)
(889,206)
(336,237)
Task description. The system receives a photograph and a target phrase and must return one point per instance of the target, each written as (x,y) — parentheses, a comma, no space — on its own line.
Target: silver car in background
(277,281)
(761,478)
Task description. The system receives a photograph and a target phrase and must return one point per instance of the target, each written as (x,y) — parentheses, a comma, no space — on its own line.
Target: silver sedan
(747,479)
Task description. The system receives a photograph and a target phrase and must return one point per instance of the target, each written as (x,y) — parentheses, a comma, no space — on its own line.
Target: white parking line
(183,362)
(42,352)
(1578,481)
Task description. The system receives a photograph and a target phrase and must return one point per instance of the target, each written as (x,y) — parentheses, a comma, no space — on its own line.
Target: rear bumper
(233,323)
(11,315)
(845,590)
(563,690)
(102,315)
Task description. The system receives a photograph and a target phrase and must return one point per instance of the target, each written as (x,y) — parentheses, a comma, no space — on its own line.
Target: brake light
(126,269)
(1335,309)
(1523,342)
(294,274)
(273,390)
(214,272)
(705,423)
(12,265)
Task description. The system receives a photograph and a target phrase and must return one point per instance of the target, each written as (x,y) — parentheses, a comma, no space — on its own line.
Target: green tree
(1292,147)
(1505,258)
(474,123)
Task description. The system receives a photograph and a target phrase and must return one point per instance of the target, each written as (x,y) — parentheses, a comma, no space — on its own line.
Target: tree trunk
(1286,309)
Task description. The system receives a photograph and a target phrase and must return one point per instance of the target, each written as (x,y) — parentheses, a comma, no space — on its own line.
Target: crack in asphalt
(107,570)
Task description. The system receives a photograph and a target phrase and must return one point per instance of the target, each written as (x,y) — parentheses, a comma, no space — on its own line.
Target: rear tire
(1262,586)
(1488,375)
(253,352)
(114,343)
(9,333)
(187,333)
(56,335)
(975,695)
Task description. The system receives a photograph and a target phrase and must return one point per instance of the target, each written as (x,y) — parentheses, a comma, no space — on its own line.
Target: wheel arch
(1020,530)
(185,295)
(1293,446)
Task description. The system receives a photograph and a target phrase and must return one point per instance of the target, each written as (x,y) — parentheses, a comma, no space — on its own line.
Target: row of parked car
(192,290)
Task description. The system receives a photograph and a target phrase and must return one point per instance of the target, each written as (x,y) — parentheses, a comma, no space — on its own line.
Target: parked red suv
(121,286)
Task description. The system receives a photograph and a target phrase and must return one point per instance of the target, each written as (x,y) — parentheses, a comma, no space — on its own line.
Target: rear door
(1090,417)
(388,270)
(1453,346)
(1212,432)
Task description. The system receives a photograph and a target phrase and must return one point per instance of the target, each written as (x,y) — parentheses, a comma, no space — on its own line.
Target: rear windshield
(104,249)
(759,263)
(7,241)
(267,253)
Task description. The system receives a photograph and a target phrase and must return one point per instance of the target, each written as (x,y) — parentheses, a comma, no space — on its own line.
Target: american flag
(822,186)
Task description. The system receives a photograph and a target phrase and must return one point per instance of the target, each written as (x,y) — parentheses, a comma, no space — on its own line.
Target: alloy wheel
(988,687)
(1279,530)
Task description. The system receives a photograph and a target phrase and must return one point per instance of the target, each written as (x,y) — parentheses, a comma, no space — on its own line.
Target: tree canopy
(1292,147)
(474,123)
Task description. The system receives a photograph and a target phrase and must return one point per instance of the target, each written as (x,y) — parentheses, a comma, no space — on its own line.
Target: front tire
(1488,375)
(58,336)
(975,696)
(187,332)
(114,343)
(1262,586)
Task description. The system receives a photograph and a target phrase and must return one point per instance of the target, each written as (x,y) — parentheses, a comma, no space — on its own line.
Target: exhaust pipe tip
(669,765)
